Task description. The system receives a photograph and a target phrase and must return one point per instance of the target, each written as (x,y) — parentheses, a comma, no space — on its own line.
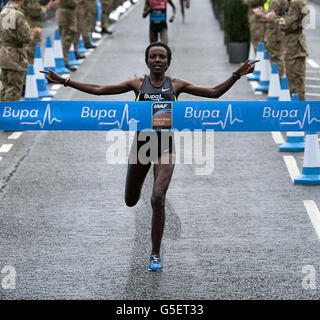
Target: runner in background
(184,3)
(157,9)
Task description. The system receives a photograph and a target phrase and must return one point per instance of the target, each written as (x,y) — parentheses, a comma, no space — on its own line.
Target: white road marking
(15,135)
(313,78)
(97,43)
(56,86)
(292,167)
(277,137)
(313,94)
(0,158)
(313,71)
(6,147)
(255,84)
(313,64)
(314,215)
(313,86)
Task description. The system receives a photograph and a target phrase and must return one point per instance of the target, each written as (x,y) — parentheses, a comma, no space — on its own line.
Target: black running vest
(148,92)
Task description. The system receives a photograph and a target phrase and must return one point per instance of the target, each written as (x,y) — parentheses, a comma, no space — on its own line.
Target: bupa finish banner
(192,115)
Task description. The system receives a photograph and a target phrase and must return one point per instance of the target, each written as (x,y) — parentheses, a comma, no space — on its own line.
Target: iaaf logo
(160,105)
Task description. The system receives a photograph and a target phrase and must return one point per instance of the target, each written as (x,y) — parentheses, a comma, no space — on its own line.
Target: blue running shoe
(155,263)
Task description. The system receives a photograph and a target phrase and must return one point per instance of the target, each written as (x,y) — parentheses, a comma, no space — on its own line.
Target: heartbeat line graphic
(306,117)
(47,116)
(124,117)
(224,123)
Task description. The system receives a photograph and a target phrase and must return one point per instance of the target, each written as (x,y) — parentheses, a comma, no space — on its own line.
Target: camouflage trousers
(12,83)
(67,37)
(106,6)
(88,24)
(296,74)
(275,54)
(257,30)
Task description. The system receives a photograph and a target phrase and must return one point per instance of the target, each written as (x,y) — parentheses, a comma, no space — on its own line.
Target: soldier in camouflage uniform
(66,20)
(89,21)
(80,13)
(106,6)
(15,33)
(116,4)
(256,24)
(291,23)
(34,11)
(93,13)
(274,37)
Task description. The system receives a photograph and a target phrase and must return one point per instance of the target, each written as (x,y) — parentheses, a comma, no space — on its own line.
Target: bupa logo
(10,112)
(153,97)
(287,116)
(30,115)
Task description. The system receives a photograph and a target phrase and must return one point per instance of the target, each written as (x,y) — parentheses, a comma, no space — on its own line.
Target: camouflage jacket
(68,4)
(273,31)
(34,11)
(66,14)
(291,23)
(92,5)
(15,33)
(278,6)
(251,5)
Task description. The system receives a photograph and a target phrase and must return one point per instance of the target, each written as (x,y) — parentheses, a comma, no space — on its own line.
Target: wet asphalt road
(241,232)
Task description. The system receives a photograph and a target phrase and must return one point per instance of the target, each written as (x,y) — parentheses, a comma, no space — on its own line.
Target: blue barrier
(192,115)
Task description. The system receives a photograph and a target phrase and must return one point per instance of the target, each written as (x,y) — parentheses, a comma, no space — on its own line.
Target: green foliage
(218,4)
(235,20)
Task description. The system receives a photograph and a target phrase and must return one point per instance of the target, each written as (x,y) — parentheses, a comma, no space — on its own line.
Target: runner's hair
(158,44)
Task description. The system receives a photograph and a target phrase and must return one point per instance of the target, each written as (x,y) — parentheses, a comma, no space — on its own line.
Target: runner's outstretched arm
(219,90)
(173,10)
(122,87)
(147,9)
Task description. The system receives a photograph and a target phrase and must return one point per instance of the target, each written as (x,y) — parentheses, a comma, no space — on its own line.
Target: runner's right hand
(53,77)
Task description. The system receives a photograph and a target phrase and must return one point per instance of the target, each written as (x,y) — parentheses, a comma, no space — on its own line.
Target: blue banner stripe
(192,115)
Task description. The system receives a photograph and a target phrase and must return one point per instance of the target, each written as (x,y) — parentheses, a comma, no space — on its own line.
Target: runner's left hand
(247,67)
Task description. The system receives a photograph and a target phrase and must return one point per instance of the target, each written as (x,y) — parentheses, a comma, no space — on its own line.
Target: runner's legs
(136,174)
(153,36)
(162,178)
(182,9)
(164,36)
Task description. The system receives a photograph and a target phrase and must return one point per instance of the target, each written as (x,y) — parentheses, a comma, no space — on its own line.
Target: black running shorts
(158,27)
